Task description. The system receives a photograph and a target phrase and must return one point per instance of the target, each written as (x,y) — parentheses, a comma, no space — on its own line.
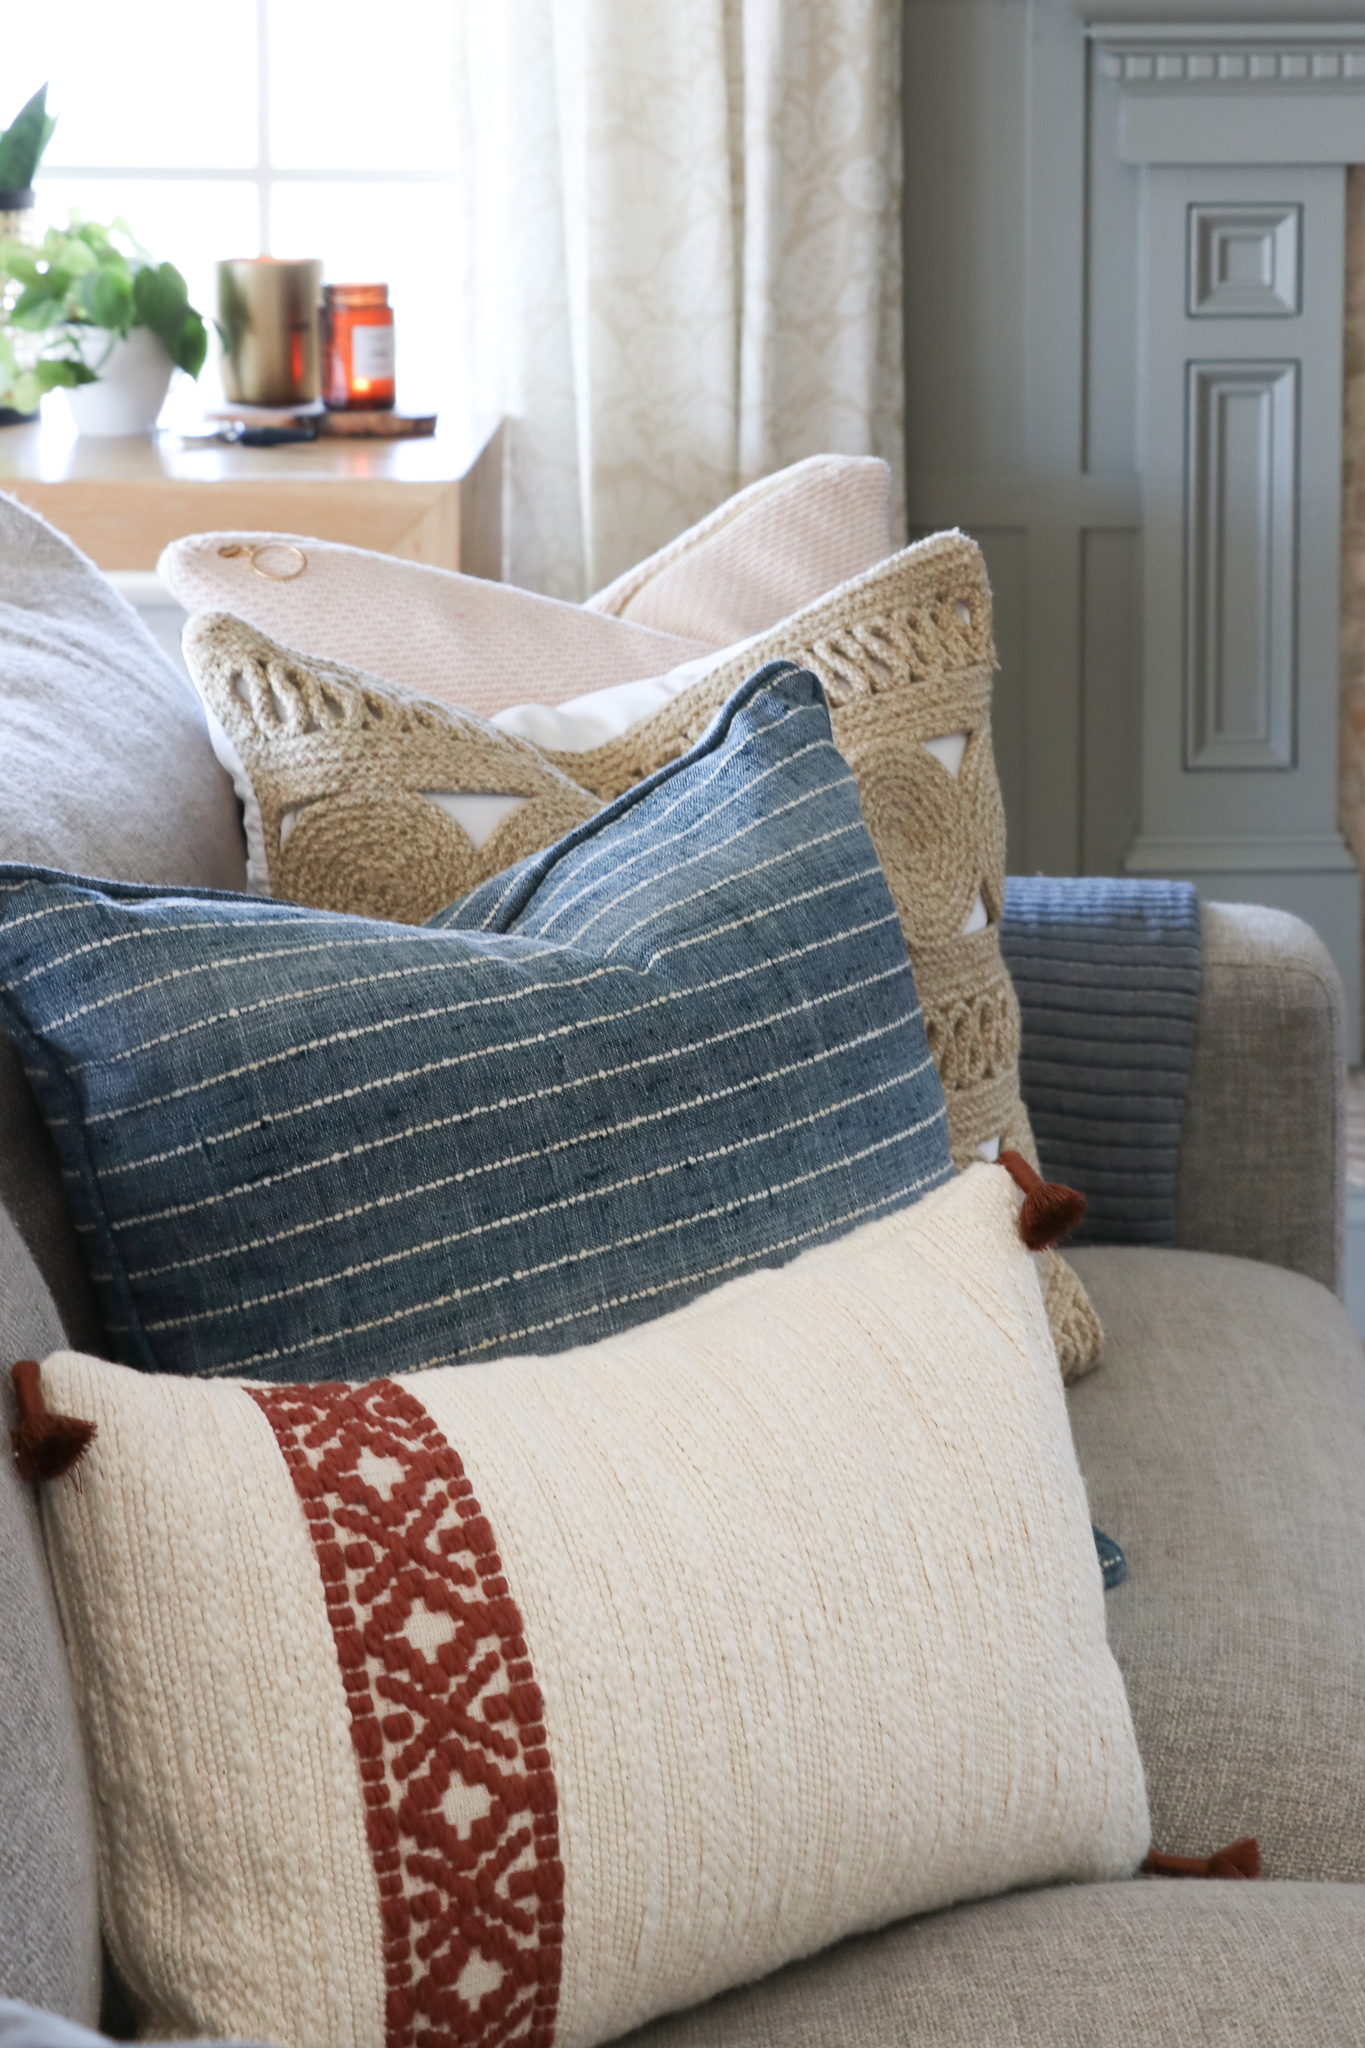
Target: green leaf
(23,392)
(24,141)
(52,372)
(162,300)
(106,296)
(162,303)
(79,255)
(193,346)
(39,307)
(17,262)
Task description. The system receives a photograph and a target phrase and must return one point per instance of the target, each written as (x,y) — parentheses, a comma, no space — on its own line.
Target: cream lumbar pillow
(527,1701)
(358,795)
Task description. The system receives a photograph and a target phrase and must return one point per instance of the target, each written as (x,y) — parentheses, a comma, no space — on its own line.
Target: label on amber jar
(372,353)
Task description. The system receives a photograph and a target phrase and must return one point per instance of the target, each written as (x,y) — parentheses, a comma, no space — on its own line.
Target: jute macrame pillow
(906,657)
(351,788)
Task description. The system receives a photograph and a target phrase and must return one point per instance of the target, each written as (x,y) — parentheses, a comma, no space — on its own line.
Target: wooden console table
(436,500)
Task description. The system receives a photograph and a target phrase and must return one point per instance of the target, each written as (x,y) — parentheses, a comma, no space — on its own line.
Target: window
(287,130)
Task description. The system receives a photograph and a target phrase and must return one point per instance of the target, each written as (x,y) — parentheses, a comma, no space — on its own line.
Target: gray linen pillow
(105,762)
(49,1940)
(106,769)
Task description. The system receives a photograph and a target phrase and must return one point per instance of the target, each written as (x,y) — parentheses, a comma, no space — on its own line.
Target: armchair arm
(1262,1170)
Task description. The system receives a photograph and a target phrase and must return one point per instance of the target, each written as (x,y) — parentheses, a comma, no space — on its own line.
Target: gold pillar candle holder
(268,315)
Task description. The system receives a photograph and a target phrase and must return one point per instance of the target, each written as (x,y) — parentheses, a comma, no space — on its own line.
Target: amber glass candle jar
(357,347)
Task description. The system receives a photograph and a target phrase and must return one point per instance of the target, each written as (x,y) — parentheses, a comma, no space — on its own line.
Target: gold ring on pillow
(271,547)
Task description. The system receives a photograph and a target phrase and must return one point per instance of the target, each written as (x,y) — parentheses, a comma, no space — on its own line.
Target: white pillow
(529,1700)
(477,644)
(766,552)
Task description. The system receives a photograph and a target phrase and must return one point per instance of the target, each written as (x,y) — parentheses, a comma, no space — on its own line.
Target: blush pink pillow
(478,644)
(766,552)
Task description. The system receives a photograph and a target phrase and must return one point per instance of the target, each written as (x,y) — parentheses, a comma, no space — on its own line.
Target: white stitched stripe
(141,931)
(724,881)
(559,1031)
(684,1106)
(457,964)
(656,851)
(921,1184)
(243,1365)
(514,1159)
(647,827)
(788,903)
(220,963)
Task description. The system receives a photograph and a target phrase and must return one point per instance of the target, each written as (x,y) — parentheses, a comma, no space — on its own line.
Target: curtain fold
(682,258)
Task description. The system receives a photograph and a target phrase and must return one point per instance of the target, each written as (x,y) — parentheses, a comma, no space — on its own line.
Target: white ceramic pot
(132,384)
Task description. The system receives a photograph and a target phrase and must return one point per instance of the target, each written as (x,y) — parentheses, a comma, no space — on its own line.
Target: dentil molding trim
(1321,57)
(1245,65)
(1199,14)
(1204,88)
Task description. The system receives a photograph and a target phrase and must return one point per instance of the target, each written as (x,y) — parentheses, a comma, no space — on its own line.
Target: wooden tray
(375,426)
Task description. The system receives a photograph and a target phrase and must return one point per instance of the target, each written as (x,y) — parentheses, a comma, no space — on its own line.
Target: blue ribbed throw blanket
(1107,974)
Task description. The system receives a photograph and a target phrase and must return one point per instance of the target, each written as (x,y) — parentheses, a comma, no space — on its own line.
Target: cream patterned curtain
(682,257)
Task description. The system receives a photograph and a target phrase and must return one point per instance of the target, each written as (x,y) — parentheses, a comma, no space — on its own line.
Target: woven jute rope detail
(343,768)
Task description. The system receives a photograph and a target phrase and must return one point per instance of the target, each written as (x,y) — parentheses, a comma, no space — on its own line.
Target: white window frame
(264,175)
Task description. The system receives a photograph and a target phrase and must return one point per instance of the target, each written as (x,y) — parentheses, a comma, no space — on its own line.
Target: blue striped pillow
(681,1043)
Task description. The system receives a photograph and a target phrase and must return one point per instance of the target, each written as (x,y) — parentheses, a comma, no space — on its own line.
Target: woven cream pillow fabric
(358,795)
(766,552)
(517,1703)
(481,645)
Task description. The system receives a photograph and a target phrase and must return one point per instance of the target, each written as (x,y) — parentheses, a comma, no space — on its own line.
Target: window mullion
(263,191)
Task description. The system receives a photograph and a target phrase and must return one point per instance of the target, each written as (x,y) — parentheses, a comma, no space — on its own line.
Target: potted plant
(105,322)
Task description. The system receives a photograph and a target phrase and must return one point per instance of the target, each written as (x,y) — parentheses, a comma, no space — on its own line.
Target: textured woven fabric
(906,655)
(105,763)
(1146,1965)
(1223,1447)
(524,1703)
(1107,976)
(360,796)
(683,1041)
(1263,1153)
(459,638)
(766,552)
(49,1939)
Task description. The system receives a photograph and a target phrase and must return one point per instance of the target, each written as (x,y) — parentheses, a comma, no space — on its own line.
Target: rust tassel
(1240,1859)
(45,1445)
(1050,1212)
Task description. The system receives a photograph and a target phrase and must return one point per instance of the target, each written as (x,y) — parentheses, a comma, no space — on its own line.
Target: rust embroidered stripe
(446,1717)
